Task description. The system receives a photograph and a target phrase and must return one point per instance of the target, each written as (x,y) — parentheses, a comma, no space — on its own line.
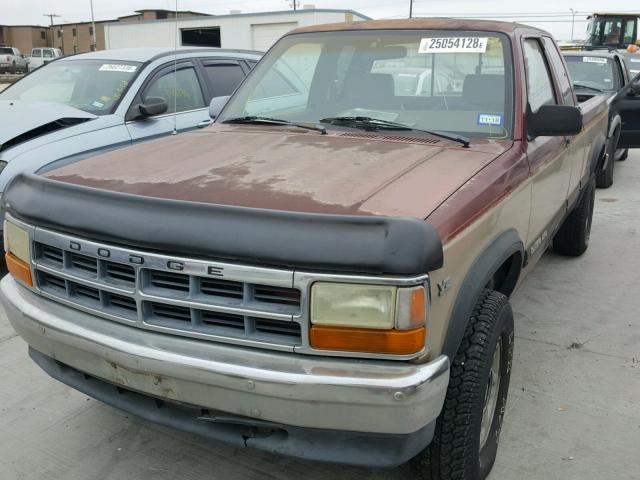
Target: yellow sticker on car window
(453,45)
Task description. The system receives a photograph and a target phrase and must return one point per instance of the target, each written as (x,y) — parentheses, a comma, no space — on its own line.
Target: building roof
(145,54)
(421,24)
(250,14)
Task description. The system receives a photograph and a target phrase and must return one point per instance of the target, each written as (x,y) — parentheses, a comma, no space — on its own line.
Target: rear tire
(573,237)
(624,155)
(465,441)
(14,69)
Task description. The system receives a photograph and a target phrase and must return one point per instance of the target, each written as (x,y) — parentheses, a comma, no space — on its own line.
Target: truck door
(627,104)
(548,156)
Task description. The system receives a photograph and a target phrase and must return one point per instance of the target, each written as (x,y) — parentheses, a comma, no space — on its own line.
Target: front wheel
(465,441)
(622,154)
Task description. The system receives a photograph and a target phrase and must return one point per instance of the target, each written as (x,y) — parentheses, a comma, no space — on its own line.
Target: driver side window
(181,90)
(539,84)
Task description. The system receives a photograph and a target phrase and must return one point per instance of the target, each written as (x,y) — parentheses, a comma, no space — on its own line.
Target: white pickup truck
(42,56)
(11,60)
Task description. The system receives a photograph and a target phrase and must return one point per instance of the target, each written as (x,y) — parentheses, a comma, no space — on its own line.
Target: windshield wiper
(576,84)
(370,123)
(249,119)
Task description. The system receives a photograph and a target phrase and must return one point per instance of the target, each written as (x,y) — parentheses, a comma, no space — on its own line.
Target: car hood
(288,169)
(21,121)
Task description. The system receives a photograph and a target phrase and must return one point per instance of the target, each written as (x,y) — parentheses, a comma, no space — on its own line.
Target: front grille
(151,296)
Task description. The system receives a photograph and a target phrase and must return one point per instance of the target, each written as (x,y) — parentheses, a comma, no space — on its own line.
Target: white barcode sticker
(453,45)
(116,67)
(594,60)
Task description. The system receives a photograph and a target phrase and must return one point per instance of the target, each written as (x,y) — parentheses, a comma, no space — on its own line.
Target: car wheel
(465,441)
(622,154)
(604,177)
(14,69)
(573,237)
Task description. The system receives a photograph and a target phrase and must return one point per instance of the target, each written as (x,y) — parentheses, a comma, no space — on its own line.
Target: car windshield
(592,72)
(94,86)
(452,82)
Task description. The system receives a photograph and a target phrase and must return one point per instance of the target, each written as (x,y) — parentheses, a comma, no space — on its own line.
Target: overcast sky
(552,15)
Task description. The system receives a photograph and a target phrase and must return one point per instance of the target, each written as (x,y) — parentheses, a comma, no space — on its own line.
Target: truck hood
(288,169)
(21,121)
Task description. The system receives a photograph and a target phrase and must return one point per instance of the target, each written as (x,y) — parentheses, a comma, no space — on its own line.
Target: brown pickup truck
(325,272)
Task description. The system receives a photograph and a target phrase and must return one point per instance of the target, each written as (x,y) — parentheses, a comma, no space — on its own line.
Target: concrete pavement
(573,410)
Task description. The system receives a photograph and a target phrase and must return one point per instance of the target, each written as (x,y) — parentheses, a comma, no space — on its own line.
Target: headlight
(18,253)
(349,305)
(368,318)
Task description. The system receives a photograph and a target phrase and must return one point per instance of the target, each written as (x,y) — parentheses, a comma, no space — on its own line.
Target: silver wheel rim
(491,396)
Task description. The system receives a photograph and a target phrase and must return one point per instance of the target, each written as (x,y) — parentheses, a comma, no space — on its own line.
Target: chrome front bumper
(372,396)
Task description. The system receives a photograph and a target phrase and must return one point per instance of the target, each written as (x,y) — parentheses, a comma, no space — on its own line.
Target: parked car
(601,73)
(12,61)
(325,272)
(85,104)
(42,56)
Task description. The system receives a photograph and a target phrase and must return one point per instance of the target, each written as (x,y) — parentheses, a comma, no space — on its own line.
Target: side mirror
(153,106)
(634,89)
(216,105)
(554,121)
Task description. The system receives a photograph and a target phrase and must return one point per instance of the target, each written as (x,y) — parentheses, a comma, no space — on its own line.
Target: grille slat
(87,280)
(222,288)
(52,254)
(279,295)
(82,262)
(172,312)
(118,272)
(222,320)
(170,281)
(276,327)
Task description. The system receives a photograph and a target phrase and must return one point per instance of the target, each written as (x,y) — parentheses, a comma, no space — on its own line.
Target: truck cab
(617,31)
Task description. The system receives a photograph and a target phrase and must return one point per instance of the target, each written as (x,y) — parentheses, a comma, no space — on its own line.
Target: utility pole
(93,28)
(410,8)
(51,17)
(573,21)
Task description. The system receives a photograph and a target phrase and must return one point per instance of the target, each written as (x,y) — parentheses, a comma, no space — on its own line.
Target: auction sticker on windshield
(453,45)
(594,60)
(114,67)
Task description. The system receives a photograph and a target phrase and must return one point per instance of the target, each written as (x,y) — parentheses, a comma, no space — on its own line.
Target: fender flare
(481,271)
(598,161)
(616,121)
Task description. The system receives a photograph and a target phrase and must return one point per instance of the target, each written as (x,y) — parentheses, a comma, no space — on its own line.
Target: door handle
(204,123)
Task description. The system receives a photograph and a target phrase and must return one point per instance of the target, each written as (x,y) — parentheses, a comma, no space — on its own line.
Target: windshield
(595,72)
(5,50)
(612,32)
(94,86)
(458,82)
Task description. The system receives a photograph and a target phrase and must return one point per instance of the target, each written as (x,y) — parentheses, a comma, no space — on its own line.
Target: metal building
(253,31)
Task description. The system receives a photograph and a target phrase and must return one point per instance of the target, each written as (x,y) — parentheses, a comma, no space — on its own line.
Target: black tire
(573,237)
(604,177)
(624,155)
(455,452)
(14,69)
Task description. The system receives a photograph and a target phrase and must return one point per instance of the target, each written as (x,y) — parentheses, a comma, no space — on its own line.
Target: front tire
(573,237)
(465,441)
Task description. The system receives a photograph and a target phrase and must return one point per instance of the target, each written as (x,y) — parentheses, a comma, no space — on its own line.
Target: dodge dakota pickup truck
(325,271)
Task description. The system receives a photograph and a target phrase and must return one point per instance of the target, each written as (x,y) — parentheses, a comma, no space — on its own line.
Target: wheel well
(506,276)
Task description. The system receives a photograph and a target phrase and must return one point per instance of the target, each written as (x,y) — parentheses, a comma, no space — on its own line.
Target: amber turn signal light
(369,340)
(19,269)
